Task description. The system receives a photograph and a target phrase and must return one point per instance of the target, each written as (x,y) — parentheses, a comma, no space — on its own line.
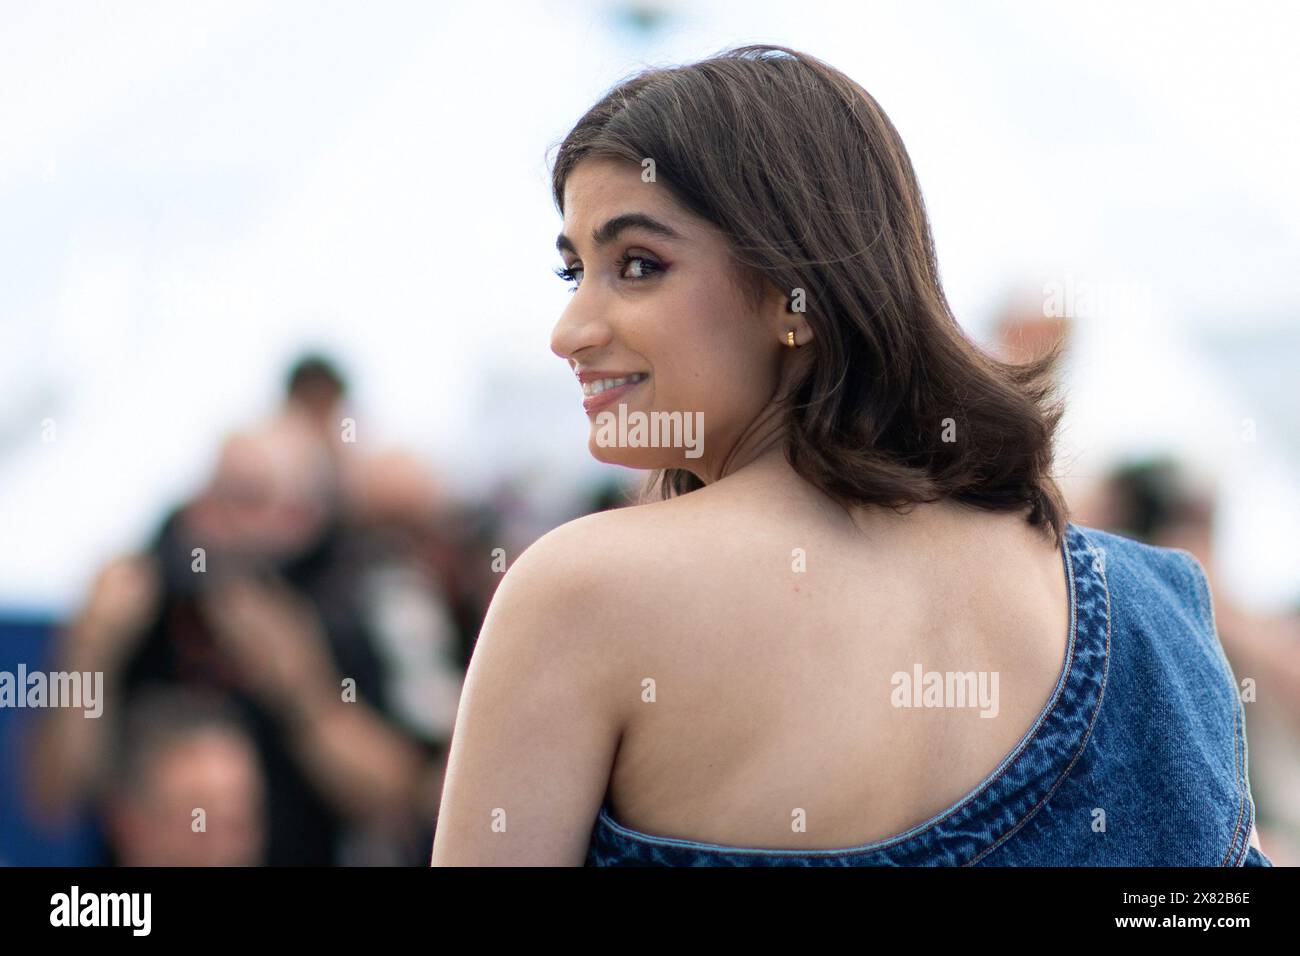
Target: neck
(763,470)
(760,469)
(759,445)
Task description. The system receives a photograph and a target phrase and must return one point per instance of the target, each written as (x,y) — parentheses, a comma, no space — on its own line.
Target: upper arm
(537,727)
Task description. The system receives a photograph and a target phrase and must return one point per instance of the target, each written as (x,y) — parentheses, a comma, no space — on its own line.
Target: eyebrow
(611,230)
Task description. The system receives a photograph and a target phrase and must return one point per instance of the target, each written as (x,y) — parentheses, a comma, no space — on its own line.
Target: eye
(573,275)
(644,269)
(629,267)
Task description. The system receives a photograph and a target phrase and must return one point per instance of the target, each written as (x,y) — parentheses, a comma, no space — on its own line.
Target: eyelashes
(648,268)
(569,275)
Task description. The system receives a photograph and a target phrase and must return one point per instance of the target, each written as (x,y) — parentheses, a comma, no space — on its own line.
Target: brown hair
(802,170)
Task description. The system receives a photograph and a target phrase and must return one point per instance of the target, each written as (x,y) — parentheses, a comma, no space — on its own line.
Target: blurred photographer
(251,591)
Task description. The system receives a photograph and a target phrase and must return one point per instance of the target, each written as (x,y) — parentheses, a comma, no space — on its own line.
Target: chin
(643,459)
(647,440)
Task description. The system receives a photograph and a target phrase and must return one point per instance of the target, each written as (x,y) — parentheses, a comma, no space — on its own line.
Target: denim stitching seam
(1101,694)
(1238,732)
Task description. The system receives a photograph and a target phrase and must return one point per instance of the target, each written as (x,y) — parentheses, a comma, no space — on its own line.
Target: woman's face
(658,304)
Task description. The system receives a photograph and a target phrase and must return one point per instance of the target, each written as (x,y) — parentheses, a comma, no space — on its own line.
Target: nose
(580,327)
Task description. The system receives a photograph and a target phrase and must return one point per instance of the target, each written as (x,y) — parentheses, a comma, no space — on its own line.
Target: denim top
(1137,759)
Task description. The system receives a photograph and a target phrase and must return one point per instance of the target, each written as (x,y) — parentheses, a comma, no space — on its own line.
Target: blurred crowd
(283,663)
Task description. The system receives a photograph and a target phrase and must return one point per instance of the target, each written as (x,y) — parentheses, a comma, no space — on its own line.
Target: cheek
(732,367)
(720,363)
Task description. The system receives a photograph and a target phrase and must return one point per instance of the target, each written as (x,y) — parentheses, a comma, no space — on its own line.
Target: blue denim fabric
(1145,724)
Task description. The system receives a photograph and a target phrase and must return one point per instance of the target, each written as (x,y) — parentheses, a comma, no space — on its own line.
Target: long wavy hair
(805,174)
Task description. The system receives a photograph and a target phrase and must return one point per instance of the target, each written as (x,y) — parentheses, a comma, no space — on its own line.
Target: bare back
(765,632)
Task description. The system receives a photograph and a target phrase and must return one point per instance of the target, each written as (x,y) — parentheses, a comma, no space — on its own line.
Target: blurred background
(276,293)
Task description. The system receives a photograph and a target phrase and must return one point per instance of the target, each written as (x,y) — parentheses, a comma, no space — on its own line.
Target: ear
(783,311)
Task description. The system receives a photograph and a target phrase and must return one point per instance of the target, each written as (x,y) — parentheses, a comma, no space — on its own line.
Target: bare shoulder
(591,571)
(583,596)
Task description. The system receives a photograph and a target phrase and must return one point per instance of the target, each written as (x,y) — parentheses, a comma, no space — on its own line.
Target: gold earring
(789,339)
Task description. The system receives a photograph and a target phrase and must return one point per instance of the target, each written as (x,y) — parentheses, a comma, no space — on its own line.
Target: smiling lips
(601,389)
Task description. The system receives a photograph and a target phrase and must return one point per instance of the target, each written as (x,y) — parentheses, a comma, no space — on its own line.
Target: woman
(857,628)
